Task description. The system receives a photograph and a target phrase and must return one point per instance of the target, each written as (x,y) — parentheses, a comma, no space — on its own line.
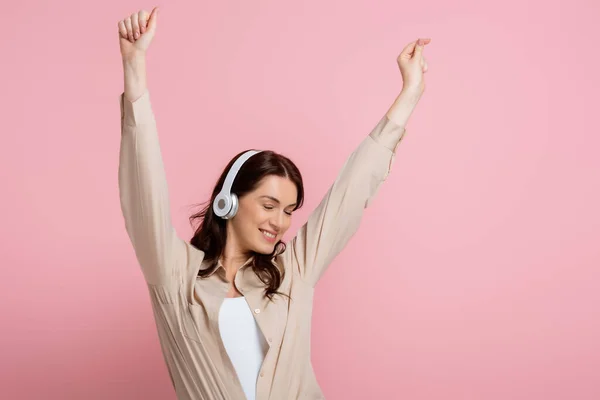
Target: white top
(243,340)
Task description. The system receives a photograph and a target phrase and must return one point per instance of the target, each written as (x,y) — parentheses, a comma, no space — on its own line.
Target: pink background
(474,274)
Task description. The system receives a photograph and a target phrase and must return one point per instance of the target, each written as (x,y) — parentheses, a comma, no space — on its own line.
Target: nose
(277,221)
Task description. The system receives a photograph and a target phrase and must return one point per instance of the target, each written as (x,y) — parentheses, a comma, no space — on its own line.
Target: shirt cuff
(388,133)
(137,112)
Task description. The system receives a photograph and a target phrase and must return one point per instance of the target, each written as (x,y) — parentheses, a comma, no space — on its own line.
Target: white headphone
(226,203)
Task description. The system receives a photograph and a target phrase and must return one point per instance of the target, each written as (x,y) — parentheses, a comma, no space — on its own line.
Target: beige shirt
(186,307)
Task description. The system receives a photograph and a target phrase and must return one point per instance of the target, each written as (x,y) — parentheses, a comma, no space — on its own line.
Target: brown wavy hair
(210,235)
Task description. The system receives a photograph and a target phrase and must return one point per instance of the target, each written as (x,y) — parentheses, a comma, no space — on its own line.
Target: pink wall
(475,273)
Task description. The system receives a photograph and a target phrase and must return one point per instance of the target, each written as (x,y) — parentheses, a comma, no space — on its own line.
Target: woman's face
(264,215)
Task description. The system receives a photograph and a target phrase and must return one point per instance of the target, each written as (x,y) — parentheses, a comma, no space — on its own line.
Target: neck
(233,256)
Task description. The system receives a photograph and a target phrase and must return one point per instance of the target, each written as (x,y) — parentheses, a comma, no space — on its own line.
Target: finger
(135,26)
(419,49)
(143,21)
(129,29)
(420,46)
(408,50)
(153,18)
(122,29)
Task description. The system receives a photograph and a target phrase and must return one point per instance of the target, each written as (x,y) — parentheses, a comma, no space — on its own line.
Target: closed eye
(270,207)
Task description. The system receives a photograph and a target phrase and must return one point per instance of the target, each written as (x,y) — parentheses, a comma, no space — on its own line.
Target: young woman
(233,306)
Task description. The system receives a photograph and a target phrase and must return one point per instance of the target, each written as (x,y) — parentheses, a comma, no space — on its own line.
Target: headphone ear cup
(225,204)
(222,205)
(234,206)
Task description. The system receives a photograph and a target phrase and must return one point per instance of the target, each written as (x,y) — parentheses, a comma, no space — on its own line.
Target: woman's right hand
(136,33)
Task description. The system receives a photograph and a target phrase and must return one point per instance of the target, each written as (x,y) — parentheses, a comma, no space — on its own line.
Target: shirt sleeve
(335,220)
(144,195)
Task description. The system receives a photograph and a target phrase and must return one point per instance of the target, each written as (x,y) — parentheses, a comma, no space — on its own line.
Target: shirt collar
(221,269)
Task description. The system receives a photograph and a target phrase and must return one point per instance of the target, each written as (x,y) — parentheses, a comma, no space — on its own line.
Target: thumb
(152,19)
(419,48)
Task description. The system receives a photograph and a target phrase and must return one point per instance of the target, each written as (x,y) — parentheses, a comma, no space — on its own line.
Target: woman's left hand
(413,66)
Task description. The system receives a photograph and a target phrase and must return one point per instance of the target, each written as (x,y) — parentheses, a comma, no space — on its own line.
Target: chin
(264,249)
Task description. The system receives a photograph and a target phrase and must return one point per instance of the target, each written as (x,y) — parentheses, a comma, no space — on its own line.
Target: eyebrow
(276,200)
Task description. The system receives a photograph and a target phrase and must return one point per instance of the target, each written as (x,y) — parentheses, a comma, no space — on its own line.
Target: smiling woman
(233,306)
(269,188)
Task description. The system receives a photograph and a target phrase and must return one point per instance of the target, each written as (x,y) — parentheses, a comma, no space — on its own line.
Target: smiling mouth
(268,235)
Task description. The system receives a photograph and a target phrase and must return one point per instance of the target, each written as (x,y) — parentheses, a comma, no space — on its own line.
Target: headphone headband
(235,168)
(226,203)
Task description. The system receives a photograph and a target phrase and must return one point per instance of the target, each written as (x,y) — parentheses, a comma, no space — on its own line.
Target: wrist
(134,71)
(411,92)
(134,58)
(404,106)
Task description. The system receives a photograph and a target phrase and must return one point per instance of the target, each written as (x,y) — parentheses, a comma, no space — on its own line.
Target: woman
(233,306)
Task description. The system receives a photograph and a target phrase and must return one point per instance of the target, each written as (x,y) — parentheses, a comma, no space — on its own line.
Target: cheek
(254,218)
(244,220)
(249,213)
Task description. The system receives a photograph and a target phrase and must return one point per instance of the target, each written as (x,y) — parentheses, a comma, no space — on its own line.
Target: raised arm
(142,182)
(335,220)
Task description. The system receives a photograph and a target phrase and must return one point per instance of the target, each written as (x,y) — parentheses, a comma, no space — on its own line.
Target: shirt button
(270,340)
(262,374)
(257,311)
